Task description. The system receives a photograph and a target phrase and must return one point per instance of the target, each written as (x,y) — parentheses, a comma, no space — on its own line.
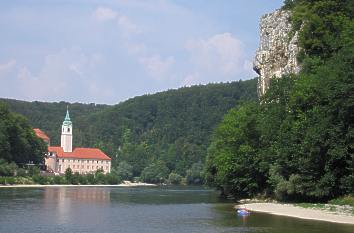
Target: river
(138,210)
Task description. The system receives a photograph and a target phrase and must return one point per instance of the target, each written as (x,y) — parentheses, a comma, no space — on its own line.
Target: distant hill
(174,126)
(49,116)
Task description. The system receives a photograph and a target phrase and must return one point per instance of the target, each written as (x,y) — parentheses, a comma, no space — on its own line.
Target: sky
(107,51)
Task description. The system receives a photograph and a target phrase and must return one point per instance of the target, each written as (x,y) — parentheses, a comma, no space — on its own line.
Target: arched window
(68,129)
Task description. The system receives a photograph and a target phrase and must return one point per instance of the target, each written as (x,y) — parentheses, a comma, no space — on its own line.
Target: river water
(138,210)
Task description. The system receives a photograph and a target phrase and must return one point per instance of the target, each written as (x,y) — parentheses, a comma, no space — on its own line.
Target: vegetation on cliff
(298,143)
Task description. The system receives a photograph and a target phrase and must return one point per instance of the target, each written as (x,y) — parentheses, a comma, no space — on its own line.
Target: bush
(82,179)
(10,180)
(174,178)
(125,171)
(59,180)
(68,174)
(195,174)
(100,178)
(2,180)
(7,169)
(155,173)
(33,170)
(113,179)
(91,179)
(21,172)
(347,200)
(40,179)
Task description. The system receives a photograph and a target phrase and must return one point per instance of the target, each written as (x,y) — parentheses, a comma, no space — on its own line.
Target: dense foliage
(18,143)
(298,143)
(172,128)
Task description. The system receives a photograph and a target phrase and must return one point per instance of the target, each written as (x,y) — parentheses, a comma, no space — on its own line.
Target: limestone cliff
(277,52)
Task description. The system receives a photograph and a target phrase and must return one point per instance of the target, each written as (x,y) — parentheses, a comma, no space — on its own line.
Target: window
(63,160)
(88,167)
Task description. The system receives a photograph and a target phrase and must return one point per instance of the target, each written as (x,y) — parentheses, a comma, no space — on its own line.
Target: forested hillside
(49,116)
(164,132)
(298,143)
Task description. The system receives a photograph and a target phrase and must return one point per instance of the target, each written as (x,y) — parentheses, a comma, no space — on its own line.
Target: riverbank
(124,184)
(292,210)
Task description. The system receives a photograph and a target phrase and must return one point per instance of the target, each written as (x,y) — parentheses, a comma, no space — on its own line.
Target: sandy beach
(298,212)
(124,184)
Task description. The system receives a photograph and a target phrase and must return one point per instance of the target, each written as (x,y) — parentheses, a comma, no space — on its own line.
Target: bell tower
(67,133)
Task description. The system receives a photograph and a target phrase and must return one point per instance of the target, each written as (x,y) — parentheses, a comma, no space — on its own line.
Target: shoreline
(124,184)
(290,210)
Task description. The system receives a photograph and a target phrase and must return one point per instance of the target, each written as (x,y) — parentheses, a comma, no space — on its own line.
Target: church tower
(67,133)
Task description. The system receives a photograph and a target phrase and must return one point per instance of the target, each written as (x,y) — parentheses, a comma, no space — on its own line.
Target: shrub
(174,178)
(125,171)
(113,179)
(91,179)
(7,169)
(21,172)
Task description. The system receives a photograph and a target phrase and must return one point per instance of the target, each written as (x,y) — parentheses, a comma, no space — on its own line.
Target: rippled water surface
(137,210)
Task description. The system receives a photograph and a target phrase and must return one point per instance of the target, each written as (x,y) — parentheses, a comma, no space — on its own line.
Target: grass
(344,204)
(346,200)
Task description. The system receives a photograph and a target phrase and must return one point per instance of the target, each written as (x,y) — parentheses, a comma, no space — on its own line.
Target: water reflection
(63,200)
(135,210)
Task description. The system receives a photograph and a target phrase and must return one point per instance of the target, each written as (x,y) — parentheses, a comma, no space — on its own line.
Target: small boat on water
(243,212)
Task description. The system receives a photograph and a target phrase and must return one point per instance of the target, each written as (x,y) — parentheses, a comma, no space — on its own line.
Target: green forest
(157,137)
(297,142)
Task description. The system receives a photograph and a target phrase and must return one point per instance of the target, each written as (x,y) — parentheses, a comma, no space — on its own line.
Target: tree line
(159,137)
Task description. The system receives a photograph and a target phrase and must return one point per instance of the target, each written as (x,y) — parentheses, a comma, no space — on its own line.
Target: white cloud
(63,75)
(221,53)
(7,66)
(104,14)
(157,67)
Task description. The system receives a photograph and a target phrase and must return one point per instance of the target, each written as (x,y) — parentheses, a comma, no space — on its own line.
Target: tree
(124,170)
(174,178)
(156,172)
(195,174)
(68,174)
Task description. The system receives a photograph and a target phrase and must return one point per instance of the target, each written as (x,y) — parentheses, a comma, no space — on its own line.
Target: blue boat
(243,212)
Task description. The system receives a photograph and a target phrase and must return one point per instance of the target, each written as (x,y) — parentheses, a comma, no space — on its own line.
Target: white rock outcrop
(277,53)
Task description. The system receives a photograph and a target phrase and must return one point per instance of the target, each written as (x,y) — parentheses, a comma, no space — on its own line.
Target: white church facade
(81,160)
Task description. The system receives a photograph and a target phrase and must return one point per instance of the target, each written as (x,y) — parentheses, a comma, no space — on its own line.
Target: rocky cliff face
(277,52)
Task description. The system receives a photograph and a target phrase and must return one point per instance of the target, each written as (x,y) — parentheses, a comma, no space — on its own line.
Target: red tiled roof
(79,153)
(41,134)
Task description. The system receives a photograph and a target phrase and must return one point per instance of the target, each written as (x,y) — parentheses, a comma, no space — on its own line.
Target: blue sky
(108,51)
